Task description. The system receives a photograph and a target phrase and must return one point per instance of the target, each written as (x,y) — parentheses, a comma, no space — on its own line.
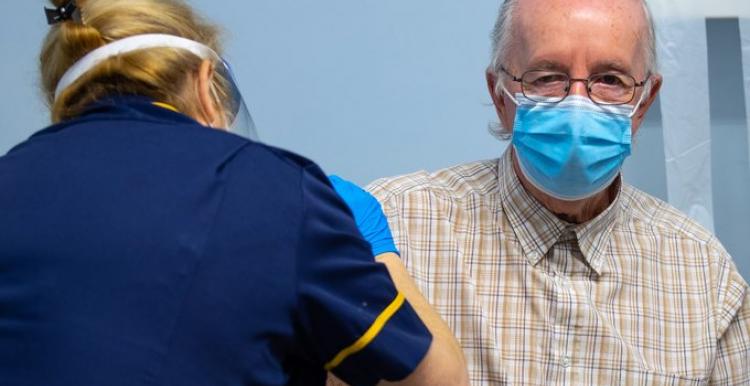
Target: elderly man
(548,267)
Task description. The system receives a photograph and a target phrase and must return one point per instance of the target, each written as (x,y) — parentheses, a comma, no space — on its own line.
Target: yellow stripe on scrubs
(370,334)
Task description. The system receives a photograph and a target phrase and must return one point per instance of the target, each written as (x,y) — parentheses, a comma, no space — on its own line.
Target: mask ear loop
(646,91)
(505,90)
(492,129)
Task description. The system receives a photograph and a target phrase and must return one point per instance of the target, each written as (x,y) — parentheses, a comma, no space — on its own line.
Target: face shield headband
(238,117)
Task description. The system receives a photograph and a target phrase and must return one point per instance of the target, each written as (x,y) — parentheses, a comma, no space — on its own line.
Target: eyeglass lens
(604,88)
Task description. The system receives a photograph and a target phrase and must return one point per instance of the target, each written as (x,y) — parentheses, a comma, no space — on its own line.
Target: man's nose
(578,87)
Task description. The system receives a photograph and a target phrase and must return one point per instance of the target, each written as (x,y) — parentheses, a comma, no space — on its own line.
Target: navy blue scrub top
(138,247)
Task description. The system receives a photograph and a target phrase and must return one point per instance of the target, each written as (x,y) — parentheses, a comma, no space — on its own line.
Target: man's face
(580,38)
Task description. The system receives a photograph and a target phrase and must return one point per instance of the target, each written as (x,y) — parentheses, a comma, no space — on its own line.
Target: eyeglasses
(607,88)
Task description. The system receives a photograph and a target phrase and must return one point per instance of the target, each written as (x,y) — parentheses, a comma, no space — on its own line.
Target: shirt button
(566,361)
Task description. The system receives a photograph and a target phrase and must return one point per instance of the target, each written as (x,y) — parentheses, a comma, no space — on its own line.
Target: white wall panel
(681,39)
(745,36)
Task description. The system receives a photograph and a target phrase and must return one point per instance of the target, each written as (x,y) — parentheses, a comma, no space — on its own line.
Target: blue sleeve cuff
(368,215)
(384,246)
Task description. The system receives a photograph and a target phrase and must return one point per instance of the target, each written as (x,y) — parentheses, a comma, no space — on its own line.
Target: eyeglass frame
(636,85)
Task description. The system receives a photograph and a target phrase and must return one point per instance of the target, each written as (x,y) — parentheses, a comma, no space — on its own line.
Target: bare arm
(444,363)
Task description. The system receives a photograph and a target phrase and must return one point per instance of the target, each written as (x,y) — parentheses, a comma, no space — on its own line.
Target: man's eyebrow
(547,65)
(598,67)
(611,65)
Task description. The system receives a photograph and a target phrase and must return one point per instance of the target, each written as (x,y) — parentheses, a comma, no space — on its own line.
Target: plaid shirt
(640,295)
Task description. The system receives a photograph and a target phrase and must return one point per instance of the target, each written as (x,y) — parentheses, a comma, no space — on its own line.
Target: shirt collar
(134,106)
(120,107)
(537,229)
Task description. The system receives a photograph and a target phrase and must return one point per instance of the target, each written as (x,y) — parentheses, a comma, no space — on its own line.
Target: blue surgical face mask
(572,149)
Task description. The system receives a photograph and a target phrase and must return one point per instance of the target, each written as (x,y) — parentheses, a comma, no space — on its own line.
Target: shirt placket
(564,304)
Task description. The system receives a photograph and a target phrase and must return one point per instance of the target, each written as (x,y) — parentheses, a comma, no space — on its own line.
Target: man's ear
(498,98)
(653,91)
(207,105)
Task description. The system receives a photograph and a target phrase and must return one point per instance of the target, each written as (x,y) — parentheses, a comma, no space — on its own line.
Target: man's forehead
(610,31)
(631,10)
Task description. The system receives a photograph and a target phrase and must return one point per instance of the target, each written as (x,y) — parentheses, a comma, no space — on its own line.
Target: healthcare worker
(141,243)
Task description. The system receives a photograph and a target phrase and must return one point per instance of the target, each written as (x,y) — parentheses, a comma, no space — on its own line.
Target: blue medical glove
(368,215)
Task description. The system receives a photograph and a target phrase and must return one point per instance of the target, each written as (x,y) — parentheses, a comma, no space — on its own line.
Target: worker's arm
(348,316)
(444,363)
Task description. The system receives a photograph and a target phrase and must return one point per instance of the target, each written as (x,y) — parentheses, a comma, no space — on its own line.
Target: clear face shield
(227,93)
(237,116)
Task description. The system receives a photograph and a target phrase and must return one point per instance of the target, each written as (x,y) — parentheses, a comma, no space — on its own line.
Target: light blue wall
(21,109)
(366,88)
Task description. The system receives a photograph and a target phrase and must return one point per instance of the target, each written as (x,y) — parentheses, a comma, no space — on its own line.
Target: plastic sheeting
(745,38)
(729,136)
(705,115)
(681,40)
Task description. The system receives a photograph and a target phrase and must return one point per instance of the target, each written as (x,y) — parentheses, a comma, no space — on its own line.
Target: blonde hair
(162,74)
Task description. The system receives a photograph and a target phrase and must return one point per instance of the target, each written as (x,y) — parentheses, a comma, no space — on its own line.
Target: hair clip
(62,13)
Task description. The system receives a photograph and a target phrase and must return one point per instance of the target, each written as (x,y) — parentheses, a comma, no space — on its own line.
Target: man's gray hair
(502,37)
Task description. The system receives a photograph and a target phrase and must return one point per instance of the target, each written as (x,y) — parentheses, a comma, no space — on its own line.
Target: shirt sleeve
(352,319)
(732,320)
(733,353)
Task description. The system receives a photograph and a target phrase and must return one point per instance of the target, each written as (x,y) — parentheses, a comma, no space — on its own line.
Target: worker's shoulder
(256,156)
(453,183)
(661,218)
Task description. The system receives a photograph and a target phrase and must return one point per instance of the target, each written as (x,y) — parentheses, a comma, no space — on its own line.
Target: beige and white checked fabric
(641,295)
